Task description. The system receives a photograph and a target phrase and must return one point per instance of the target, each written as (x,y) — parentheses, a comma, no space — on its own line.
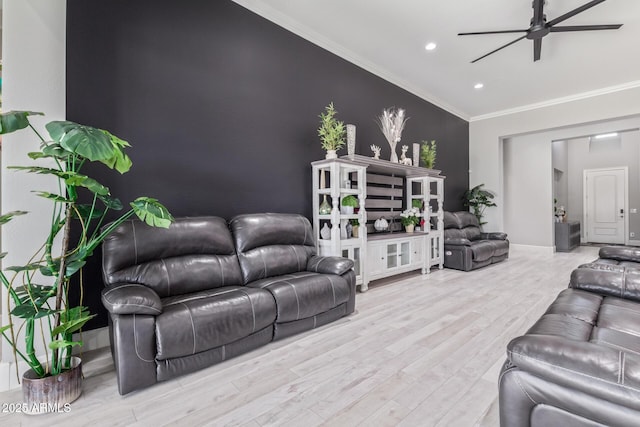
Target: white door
(605,194)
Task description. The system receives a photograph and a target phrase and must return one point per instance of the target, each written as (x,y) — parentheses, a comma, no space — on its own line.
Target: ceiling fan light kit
(539,28)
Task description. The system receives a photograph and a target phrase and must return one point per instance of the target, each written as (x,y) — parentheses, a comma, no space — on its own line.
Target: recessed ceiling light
(478,86)
(430,46)
(606,135)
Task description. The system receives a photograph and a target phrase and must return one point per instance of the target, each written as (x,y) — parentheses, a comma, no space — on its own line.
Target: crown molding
(557,101)
(266,11)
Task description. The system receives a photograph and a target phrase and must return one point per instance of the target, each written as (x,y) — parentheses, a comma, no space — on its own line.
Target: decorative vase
(349,229)
(346,210)
(394,155)
(54,393)
(409,228)
(325,232)
(331,154)
(354,231)
(351,140)
(325,207)
(416,154)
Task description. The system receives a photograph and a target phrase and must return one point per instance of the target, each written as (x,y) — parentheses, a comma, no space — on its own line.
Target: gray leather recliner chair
(466,247)
(198,293)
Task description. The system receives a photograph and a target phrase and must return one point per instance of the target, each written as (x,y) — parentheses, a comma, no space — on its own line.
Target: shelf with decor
(430,190)
(334,181)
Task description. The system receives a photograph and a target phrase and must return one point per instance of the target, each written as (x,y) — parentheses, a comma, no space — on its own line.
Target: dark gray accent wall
(221,107)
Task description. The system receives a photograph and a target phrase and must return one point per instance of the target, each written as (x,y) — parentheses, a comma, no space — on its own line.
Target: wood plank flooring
(419,351)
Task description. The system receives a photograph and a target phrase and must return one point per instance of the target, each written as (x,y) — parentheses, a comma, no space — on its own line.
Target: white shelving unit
(381,254)
(430,191)
(341,178)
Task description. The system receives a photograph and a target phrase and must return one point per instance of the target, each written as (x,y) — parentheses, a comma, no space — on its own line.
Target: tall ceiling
(388,38)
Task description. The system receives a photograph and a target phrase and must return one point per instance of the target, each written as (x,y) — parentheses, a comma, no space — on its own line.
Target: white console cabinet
(393,187)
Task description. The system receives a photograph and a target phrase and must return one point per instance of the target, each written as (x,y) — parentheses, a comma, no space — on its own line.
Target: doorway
(605,205)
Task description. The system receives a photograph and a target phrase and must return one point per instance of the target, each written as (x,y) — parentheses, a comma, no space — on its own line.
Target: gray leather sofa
(579,364)
(466,247)
(203,291)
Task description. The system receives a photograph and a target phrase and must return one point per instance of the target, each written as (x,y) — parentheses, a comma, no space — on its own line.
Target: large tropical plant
(31,302)
(478,199)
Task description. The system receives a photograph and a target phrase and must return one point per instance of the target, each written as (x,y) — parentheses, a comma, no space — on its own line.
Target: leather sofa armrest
(607,279)
(493,236)
(131,298)
(329,265)
(600,371)
(458,241)
(620,253)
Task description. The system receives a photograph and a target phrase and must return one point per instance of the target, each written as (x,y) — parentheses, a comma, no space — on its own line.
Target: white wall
(33,79)
(627,154)
(486,149)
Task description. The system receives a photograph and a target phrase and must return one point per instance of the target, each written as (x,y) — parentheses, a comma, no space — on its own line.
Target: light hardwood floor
(419,351)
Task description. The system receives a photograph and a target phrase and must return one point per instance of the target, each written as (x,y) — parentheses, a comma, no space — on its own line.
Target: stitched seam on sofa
(253,311)
(598,340)
(166,273)
(304,241)
(572,371)
(135,341)
(297,299)
(197,297)
(295,254)
(263,263)
(139,305)
(135,242)
(516,377)
(555,304)
(621,307)
(193,327)
(333,290)
(221,269)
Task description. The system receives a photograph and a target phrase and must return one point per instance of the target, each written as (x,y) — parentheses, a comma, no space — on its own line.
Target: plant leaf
(42,171)
(119,161)
(15,120)
(4,328)
(152,212)
(3,254)
(88,183)
(86,141)
(85,210)
(111,202)
(9,215)
(58,344)
(28,267)
(51,196)
(29,311)
(74,266)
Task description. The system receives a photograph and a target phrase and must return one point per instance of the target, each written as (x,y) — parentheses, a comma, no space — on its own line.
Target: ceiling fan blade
(574,12)
(565,28)
(500,48)
(538,14)
(492,32)
(537,49)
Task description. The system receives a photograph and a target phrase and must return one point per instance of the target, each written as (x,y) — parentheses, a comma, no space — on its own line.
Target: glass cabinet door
(392,255)
(405,253)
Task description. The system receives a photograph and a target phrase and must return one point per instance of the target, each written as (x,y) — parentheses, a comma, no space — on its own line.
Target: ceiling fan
(540,27)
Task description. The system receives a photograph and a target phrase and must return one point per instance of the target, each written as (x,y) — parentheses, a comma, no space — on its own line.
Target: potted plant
(428,154)
(478,200)
(410,218)
(47,305)
(355,224)
(331,132)
(416,203)
(347,204)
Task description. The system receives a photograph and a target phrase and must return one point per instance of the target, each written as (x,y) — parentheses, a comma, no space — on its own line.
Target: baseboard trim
(543,250)
(93,340)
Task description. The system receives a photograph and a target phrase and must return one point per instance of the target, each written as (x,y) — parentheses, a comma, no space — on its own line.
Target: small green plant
(478,200)
(428,154)
(331,131)
(354,222)
(416,203)
(410,217)
(349,201)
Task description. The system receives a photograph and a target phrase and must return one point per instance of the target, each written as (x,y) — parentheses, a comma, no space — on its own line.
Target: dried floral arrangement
(391,124)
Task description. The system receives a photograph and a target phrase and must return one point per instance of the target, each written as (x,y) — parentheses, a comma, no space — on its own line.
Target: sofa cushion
(208,319)
(305,294)
(272,244)
(193,254)
(482,250)
(500,247)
